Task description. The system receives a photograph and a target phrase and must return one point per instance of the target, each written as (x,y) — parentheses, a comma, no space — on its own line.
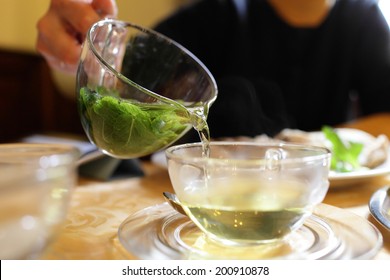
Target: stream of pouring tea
(199,122)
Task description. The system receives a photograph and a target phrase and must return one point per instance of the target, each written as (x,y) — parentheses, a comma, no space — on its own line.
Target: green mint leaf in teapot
(128,129)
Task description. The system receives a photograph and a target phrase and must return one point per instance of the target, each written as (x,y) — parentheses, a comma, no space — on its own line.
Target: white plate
(88,151)
(360,176)
(159,159)
(336,179)
(159,232)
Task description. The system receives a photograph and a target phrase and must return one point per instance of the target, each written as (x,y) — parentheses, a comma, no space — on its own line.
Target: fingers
(78,15)
(105,8)
(62,30)
(57,44)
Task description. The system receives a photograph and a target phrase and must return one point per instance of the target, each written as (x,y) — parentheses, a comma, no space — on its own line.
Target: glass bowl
(35,187)
(139,91)
(246,192)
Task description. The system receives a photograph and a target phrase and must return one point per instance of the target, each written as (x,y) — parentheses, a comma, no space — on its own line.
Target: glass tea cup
(248,193)
(35,186)
(139,91)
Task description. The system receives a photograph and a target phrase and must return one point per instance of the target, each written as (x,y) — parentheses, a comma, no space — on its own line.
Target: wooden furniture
(98,208)
(29,100)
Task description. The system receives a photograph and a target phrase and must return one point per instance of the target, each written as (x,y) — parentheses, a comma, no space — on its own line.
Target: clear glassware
(330,233)
(246,192)
(36,183)
(139,91)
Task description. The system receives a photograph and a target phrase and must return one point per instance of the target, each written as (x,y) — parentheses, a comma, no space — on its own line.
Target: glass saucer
(159,232)
(379,206)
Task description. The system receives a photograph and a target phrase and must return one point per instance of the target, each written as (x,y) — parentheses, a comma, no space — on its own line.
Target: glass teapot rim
(126,24)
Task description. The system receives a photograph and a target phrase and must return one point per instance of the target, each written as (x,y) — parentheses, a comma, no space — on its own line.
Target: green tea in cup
(248,193)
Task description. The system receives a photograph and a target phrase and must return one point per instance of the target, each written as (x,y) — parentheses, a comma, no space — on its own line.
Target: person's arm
(62,29)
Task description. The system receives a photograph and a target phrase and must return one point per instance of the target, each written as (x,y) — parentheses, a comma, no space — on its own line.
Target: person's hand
(62,30)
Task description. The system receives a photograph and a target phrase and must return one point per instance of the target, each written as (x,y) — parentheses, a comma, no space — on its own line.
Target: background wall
(18,18)
(32,98)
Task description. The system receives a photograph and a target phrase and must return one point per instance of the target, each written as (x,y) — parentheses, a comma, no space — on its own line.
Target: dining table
(98,207)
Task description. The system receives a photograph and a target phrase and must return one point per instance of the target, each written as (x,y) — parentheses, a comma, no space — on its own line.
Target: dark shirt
(272,75)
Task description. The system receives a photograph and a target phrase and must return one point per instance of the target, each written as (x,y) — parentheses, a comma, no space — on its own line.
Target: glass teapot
(139,91)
